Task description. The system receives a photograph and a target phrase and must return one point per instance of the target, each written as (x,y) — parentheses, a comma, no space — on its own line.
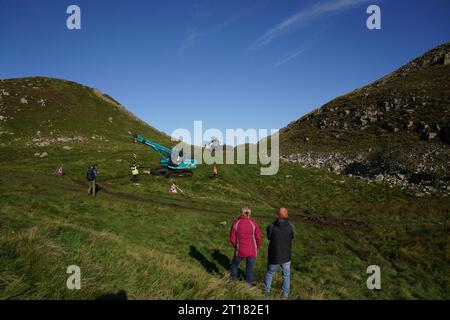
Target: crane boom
(157,147)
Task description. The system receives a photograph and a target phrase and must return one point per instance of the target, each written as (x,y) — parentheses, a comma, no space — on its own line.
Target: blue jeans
(286,272)
(248,268)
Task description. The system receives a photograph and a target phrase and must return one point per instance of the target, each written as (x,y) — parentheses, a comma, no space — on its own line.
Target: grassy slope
(152,244)
(155,245)
(427,85)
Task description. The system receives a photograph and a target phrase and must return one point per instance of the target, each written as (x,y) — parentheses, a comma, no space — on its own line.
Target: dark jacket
(280,234)
(91,174)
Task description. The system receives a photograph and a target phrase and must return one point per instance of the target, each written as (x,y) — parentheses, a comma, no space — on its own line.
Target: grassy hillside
(409,107)
(49,110)
(150,244)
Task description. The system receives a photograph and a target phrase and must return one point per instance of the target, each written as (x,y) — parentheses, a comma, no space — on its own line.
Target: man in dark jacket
(280,234)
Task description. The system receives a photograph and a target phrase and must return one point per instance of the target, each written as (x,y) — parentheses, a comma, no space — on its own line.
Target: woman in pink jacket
(245,237)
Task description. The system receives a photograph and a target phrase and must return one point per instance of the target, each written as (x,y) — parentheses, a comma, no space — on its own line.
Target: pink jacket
(245,237)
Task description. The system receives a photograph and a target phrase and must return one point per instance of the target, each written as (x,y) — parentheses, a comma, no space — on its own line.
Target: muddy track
(342,224)
(133,197)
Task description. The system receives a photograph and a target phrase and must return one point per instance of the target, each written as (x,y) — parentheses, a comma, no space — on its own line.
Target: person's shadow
(208,265)
(225,262)
(222,259)
(120,295)
(97,189)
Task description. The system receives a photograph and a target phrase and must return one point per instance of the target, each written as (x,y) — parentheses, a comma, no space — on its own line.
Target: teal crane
(172,162)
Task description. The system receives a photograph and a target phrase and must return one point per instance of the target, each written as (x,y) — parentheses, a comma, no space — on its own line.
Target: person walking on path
(91,177)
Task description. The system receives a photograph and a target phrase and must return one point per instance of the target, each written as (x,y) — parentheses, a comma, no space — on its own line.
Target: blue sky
(231,64)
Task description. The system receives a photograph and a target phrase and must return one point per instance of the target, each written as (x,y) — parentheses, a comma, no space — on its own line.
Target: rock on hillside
(409,105)
(409,109)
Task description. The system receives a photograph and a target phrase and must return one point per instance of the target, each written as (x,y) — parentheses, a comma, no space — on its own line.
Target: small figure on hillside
(174,188)
(245,237)
(91,177)
(280,234)
(134,173)
(215,172)
(59,172)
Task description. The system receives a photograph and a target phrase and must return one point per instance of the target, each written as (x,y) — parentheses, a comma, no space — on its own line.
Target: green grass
(155,245)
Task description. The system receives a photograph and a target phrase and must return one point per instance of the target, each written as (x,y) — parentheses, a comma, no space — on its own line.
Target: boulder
(409,124)
(427,135)
(42,102)
(420,195)
(447,59)
(335,167)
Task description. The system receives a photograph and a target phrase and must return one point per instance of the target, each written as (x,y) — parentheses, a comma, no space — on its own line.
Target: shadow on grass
(120,295)
(225,262)
(222,259)
(210,267)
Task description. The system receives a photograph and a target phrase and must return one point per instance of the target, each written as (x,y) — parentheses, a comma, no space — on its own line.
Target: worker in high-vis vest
(134,173)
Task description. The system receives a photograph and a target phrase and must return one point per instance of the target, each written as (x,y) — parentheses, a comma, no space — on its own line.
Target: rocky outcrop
(361,167)
(408,108)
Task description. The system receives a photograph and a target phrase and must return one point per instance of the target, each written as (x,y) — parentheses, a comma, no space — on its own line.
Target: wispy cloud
(288,58)
(192,37)
(303,17)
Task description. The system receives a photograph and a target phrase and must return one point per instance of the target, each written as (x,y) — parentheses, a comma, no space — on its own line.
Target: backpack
(90,176)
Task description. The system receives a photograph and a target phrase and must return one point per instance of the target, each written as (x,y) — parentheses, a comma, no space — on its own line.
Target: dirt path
(147,199)
(342,224)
